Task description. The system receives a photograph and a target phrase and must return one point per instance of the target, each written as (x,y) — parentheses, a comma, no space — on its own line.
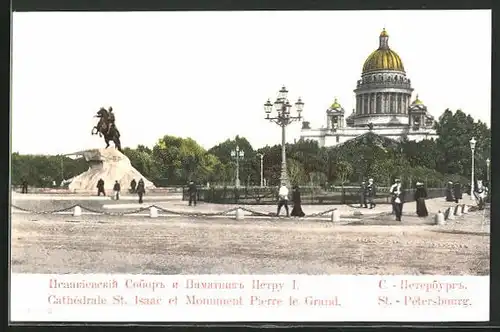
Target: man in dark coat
(370,194)
(457,191)
(100,187)
(192,192)
(397,199)
(24,187)
(141,190)
(362,200)
(116,190)
(133,184)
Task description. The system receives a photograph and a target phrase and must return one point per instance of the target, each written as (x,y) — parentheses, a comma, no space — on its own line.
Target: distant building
(383,105)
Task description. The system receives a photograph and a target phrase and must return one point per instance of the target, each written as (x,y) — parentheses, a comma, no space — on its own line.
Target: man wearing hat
(397,198)
(370,193)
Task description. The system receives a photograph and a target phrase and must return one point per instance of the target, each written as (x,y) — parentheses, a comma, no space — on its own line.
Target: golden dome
(383,58)
(417,101)
(335,104)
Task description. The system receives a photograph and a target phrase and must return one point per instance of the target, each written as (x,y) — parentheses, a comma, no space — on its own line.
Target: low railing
(309,195)
(66,191)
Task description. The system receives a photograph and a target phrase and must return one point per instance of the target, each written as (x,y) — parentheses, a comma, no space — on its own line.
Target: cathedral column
(394,102)
(362,104)
(382,103)
(389,102)
(400,103)
(372,103)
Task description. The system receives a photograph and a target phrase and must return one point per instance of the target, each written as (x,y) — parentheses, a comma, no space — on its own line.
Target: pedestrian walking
(397,199)
(141,190)
(100,188)
(116,190)
(133,186)
(420,196)
(193,193)
(297,203)
(370,193)
(283,199)
(362,200)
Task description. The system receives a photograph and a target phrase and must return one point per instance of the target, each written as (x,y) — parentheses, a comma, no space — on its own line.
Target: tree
(142,160)
(42,170)
(182,159)
(249,164)
(343,171)
(296,172)
(455,131)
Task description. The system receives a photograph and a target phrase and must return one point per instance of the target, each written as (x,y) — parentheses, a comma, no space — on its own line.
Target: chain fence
(167,211)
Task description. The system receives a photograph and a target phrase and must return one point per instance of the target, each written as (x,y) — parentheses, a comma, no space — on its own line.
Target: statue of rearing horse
(106,127)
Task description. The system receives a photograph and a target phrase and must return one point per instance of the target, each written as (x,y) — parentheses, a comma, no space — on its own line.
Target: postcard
(251,166)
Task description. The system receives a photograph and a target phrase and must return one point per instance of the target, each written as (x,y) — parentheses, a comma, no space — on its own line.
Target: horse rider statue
(106,127)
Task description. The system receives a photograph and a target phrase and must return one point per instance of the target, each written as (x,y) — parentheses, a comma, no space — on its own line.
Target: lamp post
(261,155)
(237,154)
(283,118)
(488,161)
(472,148)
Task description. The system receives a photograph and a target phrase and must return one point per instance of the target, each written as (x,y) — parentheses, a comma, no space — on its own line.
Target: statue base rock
(110,165)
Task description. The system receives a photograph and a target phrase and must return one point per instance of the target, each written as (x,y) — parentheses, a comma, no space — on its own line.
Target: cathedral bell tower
(335,116)
(418,114)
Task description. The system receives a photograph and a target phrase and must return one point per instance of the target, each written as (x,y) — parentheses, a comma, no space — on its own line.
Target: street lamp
(261,155)
(283,119)
(472,148)
(488,170)
(237,154)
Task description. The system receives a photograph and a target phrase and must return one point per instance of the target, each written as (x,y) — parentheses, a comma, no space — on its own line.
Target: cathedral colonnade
(382,103)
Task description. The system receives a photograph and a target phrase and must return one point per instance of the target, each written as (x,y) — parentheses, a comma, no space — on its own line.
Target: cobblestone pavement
(180,245)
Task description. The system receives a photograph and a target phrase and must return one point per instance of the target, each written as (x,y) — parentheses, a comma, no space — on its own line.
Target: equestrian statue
(106,127)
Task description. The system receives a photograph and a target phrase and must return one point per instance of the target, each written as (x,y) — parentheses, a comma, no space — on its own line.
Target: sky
(206,75)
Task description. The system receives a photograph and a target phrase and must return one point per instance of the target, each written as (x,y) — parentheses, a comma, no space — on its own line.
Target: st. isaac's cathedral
(384,105)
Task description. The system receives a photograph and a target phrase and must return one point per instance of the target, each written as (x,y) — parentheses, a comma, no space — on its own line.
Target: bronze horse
(102,129)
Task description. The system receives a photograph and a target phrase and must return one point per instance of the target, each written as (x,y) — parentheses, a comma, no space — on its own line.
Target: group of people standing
(453,192)
(480,192)
(367,194)
(138,188)
(367,197)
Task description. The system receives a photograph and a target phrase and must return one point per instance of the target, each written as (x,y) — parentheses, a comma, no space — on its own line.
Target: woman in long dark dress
(420,196)
(297,207)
